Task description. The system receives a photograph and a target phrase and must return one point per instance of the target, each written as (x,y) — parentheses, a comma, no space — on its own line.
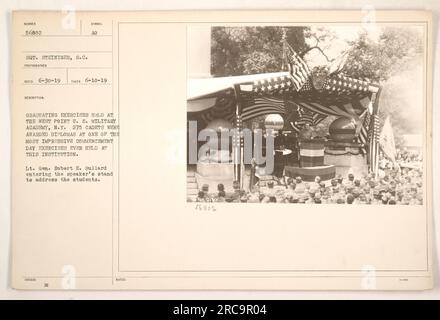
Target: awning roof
(206,87)
(262,94)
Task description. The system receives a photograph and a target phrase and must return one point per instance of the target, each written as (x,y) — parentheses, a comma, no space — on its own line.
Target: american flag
(376,128)
(305,116)
(260,106)
(364,132)
(273,85)
(341,84)
(237,136)
(298,69)
(374,143)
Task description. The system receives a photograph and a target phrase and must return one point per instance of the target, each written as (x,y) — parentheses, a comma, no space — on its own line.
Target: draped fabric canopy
(263,94)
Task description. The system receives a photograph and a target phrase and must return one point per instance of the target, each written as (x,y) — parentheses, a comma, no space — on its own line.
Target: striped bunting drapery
(306,116)
(340,97)
(223,109)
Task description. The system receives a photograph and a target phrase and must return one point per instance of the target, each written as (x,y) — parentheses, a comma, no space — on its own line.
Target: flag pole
(374,150)
(237,139)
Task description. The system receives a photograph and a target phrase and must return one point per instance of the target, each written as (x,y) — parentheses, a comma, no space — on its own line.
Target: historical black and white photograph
(306,114)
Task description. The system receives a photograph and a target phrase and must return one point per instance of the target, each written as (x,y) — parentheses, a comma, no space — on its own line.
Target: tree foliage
(376,61)
(247,50)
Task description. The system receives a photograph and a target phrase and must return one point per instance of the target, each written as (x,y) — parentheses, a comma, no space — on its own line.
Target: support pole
(374,145)
(238,154)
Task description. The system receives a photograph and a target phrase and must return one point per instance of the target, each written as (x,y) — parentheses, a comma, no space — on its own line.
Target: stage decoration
(274,122)
(298,94)
(311,153)
(343,130)
(319,77)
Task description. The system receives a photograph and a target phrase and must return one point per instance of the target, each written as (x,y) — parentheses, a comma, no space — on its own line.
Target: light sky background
(404,89)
